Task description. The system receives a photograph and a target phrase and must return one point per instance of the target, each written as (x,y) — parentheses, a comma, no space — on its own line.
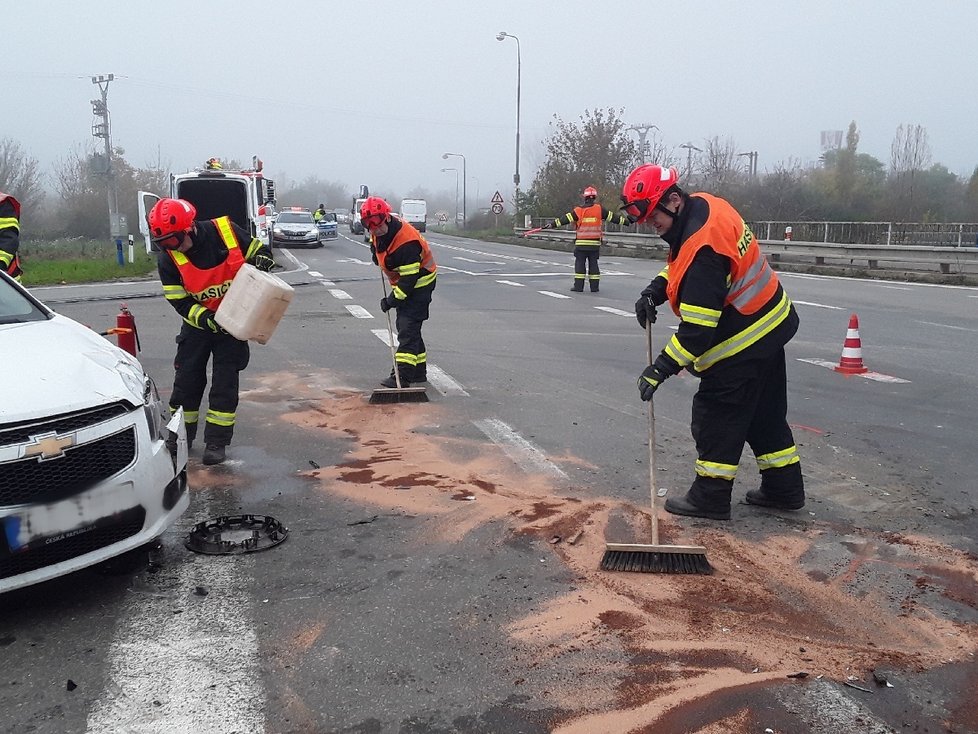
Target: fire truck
(246,196)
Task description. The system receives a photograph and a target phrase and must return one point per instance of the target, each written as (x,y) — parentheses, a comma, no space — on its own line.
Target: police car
(295,227)
(85,475)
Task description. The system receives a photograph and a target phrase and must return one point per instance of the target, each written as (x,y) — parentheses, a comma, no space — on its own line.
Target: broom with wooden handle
(654,558)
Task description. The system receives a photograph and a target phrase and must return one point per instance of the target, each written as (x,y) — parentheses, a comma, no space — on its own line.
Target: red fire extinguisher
(126,331)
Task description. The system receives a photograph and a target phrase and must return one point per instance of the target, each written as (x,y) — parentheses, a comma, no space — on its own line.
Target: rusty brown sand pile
(675,639)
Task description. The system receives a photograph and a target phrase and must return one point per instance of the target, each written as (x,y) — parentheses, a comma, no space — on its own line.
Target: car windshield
(328,217)
(15,307)
(294,218)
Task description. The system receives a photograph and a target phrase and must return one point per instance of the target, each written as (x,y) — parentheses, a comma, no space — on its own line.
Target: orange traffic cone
(851,362)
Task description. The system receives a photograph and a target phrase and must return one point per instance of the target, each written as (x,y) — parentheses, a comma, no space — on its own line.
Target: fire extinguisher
(126,331)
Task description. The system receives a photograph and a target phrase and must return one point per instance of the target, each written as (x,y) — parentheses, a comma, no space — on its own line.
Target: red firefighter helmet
(169,220)
(644,188)
(590,193)
(374,212)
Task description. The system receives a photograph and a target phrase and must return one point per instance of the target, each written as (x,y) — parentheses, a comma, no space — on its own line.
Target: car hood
(59,366)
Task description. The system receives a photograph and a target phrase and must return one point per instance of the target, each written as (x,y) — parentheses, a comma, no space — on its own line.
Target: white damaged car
(85,474)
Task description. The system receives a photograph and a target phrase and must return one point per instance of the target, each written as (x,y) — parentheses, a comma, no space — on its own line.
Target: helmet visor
(372,221)
(638,209)
(170,241)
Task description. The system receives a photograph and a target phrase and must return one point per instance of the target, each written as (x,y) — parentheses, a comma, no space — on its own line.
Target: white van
(415,212)
(247,197)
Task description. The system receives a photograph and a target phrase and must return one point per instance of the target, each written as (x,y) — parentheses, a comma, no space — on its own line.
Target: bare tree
(20,174)
(909,155)
(718,171)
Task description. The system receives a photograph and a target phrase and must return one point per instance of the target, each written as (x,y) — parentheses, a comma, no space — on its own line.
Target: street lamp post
(689,158)
(502,35)
(465,219)
(446,170)
(751,157)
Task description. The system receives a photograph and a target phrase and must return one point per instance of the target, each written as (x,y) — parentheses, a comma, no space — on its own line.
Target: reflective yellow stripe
(425,280)
(9,223)
(178,257)
(744,339)
(227,234)
(778,458)
(221,419)
(406,358)
(716,470)
(6,258)
(764,274)
(398,293)
(410,268)
(664,273)
(423,357)
(189,416)
(174,292)
(193,316)
(587,243)
(678,353)
(699,315)
(254,247)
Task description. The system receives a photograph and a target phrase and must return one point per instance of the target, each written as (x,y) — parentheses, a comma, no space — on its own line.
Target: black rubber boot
(420,374)
(577,288)
(762,499)
(214,454)
(594,287)
(683,506)
(782,488)
(391,381)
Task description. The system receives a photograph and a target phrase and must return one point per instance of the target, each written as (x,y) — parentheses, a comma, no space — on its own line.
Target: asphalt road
(430,584)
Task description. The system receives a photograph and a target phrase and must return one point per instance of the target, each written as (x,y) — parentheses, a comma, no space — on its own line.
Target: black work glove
(210,323)
(649,381)
(547,225)
(373,254)
(387,303)
(263,263)
(645,310)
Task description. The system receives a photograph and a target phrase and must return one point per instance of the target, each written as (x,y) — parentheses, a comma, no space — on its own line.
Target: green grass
(81,261)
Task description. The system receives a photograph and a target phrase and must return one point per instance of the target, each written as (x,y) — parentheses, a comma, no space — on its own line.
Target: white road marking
(327,283)
(877,376)
(359,311)
(552,294)
(342,295)
(818,305)
(479,262)
(615,311)
(527,456)
(945,326)
(193,671)
(509,282)
(825,703)
(437,377)
(895,287)
(315,274)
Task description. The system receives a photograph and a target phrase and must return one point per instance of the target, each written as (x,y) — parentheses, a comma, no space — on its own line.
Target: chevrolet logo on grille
(48,446)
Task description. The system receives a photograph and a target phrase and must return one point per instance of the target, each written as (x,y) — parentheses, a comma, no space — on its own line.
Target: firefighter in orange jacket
(735,319)
(10,236)
(197,262)
(405,257)
(588,220)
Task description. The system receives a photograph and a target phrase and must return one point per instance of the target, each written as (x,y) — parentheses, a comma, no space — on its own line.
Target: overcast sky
(374,92)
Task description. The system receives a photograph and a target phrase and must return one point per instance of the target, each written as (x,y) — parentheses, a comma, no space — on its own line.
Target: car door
(145,202)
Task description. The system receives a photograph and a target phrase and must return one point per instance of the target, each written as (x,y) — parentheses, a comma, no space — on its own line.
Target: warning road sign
(497,198)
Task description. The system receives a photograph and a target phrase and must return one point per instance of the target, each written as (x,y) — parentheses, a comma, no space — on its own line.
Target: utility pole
(643,147)
(100,108)
(689,159)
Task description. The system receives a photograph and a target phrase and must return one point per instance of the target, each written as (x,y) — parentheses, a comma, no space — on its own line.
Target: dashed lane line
(527,456)
(340,294)
(510,282)
(189,672)
(615,311)
(818,305)
(359,311)
(552,294)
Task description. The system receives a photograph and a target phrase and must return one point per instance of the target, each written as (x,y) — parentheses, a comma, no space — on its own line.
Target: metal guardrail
(946,260)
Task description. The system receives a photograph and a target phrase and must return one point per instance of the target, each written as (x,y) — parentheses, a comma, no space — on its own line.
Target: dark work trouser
(586,266)
(411,355)
(194,348)
(746,402)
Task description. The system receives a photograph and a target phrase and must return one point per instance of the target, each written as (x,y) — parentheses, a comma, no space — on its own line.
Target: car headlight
(277,230)
(154,410)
